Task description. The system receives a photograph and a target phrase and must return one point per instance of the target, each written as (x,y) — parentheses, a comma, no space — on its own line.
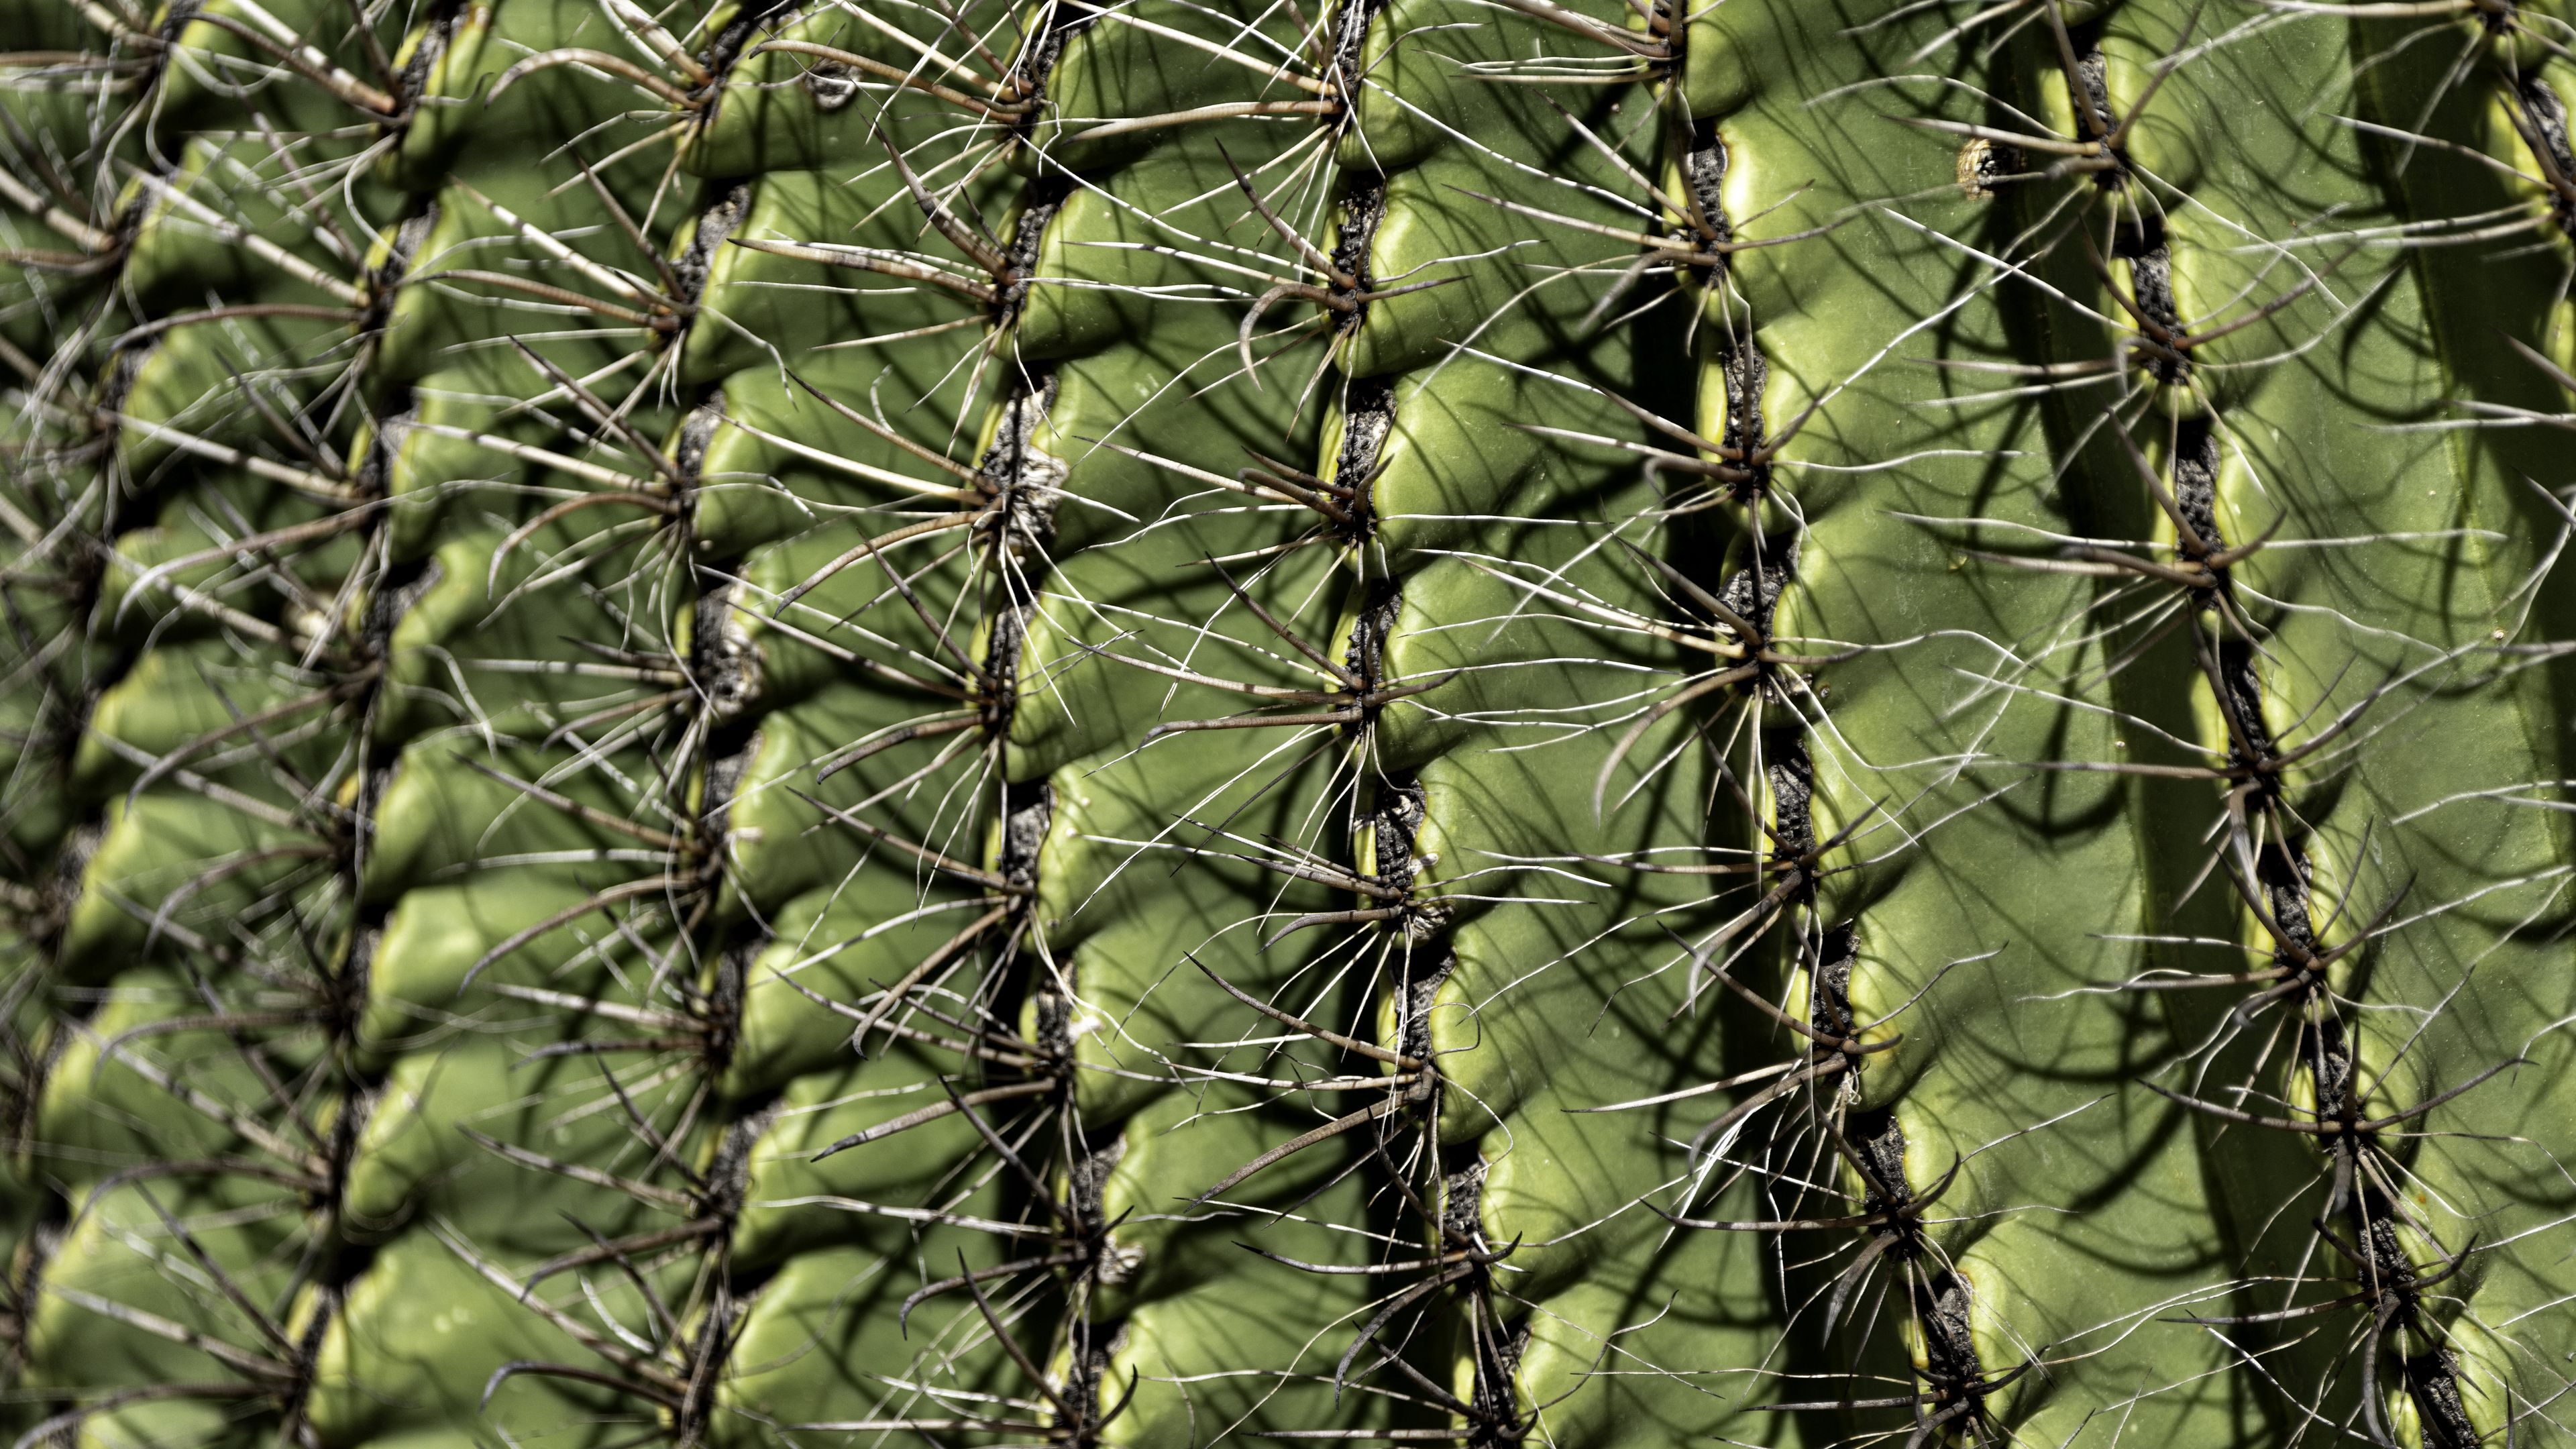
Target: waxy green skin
(531,914)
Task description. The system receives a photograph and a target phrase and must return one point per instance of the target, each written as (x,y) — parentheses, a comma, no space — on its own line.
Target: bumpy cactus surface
(1592,723)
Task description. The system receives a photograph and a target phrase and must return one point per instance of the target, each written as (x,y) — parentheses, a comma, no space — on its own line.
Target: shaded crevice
(2195,480)
(2088,95)
(1942,1300)
(2090,91)
(1792,778)
(715,223)
(1417,986)
(1350,38)
(1401,805)
(2442,1417)
(1363,209)
(1040,200)
(1732,348)
(437,31)
(2546,115)
(1368,419)
(1379,608)
(1030,485)
(1752,593)
(1704,166)
(1028,808)
(1746,370)
(1499,1348)
(728,44)
(1831,956)
(1034,66)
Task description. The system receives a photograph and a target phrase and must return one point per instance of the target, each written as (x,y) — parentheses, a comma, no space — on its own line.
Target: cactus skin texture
(973,723)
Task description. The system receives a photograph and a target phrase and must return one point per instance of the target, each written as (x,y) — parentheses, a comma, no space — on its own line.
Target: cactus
(1792,722)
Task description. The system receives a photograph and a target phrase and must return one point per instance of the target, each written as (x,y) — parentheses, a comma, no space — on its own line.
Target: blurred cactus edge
(1145,724)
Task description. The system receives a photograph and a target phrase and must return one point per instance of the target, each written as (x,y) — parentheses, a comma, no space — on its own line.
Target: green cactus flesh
(1159,722)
